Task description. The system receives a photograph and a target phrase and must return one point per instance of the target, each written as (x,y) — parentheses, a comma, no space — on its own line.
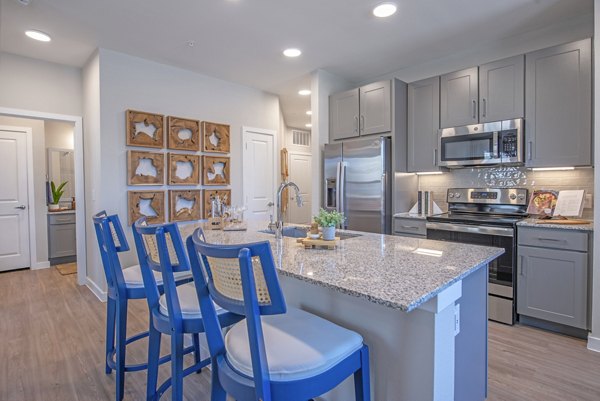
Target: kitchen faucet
(279,222)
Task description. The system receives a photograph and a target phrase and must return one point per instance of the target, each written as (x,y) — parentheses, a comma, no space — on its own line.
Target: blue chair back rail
(242,279)
(160,248)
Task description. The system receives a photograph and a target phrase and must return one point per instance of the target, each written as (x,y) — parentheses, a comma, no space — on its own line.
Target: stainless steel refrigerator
(357,180)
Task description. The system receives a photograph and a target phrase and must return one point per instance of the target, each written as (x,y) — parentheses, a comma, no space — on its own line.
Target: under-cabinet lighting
(38,35)
(429,173)
(428,252)
(304,92)
(553,168)
(309,125)
(309,112)
(385,10)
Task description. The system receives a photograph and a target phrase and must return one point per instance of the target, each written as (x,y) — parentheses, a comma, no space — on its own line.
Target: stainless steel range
(486,216)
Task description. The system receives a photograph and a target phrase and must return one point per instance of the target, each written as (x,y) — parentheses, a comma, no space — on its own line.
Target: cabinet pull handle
(550,239)
(362,123)
(484,107)
(474,109)
(435,157)
(529,146)
(522,266)
(410,227)
(355,123)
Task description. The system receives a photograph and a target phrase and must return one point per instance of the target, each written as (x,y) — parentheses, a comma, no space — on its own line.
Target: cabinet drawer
(409,226)
(61,218)
(556,239)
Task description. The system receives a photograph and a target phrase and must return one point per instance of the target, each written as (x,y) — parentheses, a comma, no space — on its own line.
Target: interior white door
(299,168)
(14,216)
(259,173)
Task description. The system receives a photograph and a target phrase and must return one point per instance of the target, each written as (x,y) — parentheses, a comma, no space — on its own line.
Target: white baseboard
(593,343)
(40,265)
(96,290)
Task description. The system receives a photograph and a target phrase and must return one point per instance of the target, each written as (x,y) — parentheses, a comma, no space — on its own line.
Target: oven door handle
(463,228)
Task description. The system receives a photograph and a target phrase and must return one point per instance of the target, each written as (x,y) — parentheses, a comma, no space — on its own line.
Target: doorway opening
(44,193)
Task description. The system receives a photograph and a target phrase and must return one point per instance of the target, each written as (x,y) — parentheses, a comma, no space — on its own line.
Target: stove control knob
(512,196)
(450,195)
(521,197)
(457,195)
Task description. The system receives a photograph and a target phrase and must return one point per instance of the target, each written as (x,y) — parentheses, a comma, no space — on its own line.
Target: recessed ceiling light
(309,112)
(304,92)
(38,35)
(292,52)
(384,10)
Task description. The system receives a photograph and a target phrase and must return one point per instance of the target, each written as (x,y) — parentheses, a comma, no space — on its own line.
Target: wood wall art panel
(145,168)
(185,205)
(189,169)
(184,134)
(209,194)
(145,129)
(146,203)
(215,170)
(215,137)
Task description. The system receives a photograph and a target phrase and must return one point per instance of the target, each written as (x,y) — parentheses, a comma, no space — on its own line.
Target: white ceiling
(242,40)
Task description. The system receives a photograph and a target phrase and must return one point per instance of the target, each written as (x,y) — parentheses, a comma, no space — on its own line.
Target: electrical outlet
(456,319)
(588,202)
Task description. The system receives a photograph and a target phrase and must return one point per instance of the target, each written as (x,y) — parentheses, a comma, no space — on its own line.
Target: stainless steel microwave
(499,142)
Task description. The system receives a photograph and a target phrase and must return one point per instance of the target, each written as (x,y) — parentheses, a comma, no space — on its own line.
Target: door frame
(301,153)
(80,214)
(276,159)
(33,263)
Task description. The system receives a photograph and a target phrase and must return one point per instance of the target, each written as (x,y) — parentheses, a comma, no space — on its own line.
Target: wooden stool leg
(177,366)
(121,346)
(110,331)
(154,339)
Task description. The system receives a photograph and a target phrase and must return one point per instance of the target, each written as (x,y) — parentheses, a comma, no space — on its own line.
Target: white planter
(328,233)
(53,206)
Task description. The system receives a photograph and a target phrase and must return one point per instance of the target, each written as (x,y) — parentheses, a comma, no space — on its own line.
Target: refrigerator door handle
(337,185)
(342,207)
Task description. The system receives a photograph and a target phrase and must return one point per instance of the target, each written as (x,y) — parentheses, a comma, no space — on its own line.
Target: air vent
(301,138)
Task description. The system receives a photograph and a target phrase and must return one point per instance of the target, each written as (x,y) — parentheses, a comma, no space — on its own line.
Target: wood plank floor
(52,341)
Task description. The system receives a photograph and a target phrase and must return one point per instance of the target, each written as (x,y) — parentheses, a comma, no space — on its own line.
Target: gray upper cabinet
(344,114)
(423,124)
(375,108)
(459,98)
(559,106)
(362,111)
(502,89)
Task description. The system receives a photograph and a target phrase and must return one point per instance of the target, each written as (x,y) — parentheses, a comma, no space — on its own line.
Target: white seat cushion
(133,276)
(188,302)
(298,345)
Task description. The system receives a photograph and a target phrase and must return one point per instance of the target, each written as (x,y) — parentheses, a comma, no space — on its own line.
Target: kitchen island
(420,305)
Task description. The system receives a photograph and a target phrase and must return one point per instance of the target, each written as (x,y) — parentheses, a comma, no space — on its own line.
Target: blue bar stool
(176,312)
(275,353)
(123,284)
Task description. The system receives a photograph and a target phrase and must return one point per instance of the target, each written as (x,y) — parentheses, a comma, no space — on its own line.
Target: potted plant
(57,193)
(328,221)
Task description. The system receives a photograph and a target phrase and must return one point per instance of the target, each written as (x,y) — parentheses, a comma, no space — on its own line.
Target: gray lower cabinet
(410,227)
(61,235)
(552,283)
(423,124)
(362,111)
(502,89)
(459,97)
(559,106)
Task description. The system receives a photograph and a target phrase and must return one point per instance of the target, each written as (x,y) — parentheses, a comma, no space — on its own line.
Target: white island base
(416,355)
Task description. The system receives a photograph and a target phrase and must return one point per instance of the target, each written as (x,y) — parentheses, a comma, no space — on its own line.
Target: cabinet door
(376,108)
(62,240)
(502,89)
(423,124)
(344,114)
(552,285)
(458,100)
(558,106)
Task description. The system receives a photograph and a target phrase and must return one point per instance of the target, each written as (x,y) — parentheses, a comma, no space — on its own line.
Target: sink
(300,232)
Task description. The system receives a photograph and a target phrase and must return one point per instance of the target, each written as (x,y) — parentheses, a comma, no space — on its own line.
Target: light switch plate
(456,319)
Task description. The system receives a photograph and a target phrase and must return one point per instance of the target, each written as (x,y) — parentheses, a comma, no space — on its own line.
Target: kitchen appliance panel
(332,157)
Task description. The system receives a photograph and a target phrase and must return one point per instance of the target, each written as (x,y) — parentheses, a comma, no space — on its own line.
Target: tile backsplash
(507,177)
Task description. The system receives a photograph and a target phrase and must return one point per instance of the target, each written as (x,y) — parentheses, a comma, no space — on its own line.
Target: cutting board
(310,243)
(565,222)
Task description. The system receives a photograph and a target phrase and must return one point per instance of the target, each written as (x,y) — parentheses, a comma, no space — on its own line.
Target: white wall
(127,82)
(594,339)
(37,85)
(39,181)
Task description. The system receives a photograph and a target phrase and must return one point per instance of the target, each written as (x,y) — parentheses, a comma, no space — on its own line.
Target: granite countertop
(397,272)
(531,222)
(68,211)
